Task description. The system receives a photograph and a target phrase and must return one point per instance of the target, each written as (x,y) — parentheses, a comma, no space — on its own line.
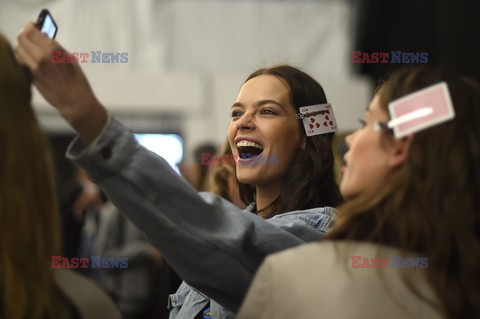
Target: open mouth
(247,149)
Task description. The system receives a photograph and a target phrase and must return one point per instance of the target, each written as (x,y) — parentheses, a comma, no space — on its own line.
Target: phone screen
(49,26)
(46,24)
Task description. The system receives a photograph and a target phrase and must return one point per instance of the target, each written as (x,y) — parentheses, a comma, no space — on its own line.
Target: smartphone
(46,24)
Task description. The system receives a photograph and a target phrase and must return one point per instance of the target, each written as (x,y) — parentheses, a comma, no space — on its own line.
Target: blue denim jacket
(213,245)
(187,302)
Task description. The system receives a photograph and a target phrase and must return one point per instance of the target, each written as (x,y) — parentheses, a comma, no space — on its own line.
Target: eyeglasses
(382,126)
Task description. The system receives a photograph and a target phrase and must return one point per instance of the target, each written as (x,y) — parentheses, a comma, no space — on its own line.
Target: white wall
(188,58)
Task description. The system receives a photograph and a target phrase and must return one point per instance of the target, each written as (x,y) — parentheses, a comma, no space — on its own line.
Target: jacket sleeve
(213,245)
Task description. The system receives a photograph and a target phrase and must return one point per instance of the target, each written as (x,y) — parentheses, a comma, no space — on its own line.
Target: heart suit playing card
(318,119)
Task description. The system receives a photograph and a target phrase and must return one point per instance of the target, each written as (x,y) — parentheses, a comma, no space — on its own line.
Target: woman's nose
(349,139)
(245,122)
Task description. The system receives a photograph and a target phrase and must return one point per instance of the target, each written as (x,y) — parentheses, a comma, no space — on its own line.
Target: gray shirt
(117,237)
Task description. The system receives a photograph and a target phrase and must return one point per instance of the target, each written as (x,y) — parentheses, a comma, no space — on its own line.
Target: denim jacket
(187,302)
(213,245)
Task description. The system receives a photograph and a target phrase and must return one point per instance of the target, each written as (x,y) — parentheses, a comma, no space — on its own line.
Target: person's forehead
(264,87)
(266,82)
(374,105)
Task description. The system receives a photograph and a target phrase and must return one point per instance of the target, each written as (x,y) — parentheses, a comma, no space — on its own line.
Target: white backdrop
(189,57)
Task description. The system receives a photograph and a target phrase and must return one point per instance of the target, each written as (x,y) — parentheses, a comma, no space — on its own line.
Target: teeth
(245,143)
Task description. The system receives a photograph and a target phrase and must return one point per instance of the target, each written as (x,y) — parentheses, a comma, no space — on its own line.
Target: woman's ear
(399,151)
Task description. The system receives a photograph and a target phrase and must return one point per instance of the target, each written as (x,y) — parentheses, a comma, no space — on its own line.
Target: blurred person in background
(134,289)
(222,180)
(69,190)
(196,173)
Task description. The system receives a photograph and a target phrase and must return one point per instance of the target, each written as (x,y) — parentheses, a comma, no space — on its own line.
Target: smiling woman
(264,123)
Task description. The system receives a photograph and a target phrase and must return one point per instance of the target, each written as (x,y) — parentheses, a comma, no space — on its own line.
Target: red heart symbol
(312,119)
(325,123)
(318,125)
(327,111)
(331,123)
(311,126)
(327,118)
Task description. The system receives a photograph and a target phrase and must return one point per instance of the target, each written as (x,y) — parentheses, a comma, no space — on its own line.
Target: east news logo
(97,262)
(228,159)
(97,57)
(392,57)
(384,262)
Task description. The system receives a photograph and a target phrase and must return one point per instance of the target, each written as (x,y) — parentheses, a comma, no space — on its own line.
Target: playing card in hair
(407,112)
(318,119)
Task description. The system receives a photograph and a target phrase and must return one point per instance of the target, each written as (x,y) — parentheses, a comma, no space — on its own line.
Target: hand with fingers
(63,85)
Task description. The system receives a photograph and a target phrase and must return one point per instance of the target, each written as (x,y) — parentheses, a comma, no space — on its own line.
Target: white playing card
(318,119)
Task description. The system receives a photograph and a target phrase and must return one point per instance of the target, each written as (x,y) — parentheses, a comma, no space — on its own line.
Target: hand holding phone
(46,24)
(63,85)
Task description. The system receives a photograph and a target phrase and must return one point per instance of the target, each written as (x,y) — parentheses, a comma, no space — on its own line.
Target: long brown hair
(222,177)
(310,182)
(431,205)
(29,224)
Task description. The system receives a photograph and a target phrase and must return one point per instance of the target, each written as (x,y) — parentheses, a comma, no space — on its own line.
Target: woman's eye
(236,114)
(267,112)
(362,123)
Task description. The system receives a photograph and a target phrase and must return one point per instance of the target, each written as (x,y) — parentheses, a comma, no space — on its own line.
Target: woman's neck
(264,196)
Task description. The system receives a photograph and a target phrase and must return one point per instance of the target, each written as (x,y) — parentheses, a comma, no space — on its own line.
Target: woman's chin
(345,191)
(247,177)
(247,180)
(348,193)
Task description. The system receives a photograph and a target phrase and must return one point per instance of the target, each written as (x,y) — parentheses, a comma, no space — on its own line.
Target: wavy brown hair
(29,223)
(431,205)
(222,176)
(310,182)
